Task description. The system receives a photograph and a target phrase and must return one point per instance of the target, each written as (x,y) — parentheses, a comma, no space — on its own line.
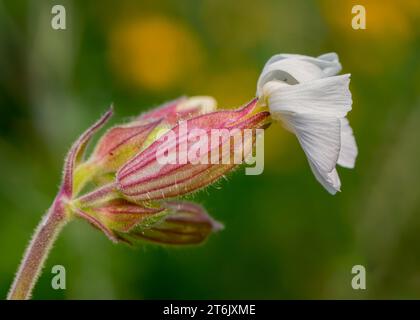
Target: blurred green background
(285,236)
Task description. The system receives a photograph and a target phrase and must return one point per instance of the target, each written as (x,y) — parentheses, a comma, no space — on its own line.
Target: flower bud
(174,222)
(120,143)
(180,109)
(145,177)
(186,223)
(118,216)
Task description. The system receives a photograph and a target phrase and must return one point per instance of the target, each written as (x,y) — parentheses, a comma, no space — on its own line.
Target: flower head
(127,187)
(306,94)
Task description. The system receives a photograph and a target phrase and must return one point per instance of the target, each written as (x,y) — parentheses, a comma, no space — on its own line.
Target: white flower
(306,94)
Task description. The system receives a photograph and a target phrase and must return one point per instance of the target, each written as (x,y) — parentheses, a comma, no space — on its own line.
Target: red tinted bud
(145,177)
(180,109)
(120,144)
(186,223)
(118,216)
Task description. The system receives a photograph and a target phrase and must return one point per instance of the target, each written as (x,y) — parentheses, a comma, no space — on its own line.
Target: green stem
(37,251)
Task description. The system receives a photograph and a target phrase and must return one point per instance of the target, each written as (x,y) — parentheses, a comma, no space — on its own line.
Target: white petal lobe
(328,96)
(348,151)
(319,138)
(328,62)
(290,71)
(330,181)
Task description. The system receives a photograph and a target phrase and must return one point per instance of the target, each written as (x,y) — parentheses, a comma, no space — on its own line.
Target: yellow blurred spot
(390,28)
(154,52)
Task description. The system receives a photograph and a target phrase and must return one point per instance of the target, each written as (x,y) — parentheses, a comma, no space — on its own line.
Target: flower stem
(37,251)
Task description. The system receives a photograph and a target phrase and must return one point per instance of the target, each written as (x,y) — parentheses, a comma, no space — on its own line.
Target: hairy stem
(37,251)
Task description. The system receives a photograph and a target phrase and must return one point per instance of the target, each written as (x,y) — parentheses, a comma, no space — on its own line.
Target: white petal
(328,96)
(328,62)
(348,151)
(330,181)
(290,71)
(304,93)
(319,138)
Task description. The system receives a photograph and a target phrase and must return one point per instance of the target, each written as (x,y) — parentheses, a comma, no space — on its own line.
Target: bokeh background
(285,236)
